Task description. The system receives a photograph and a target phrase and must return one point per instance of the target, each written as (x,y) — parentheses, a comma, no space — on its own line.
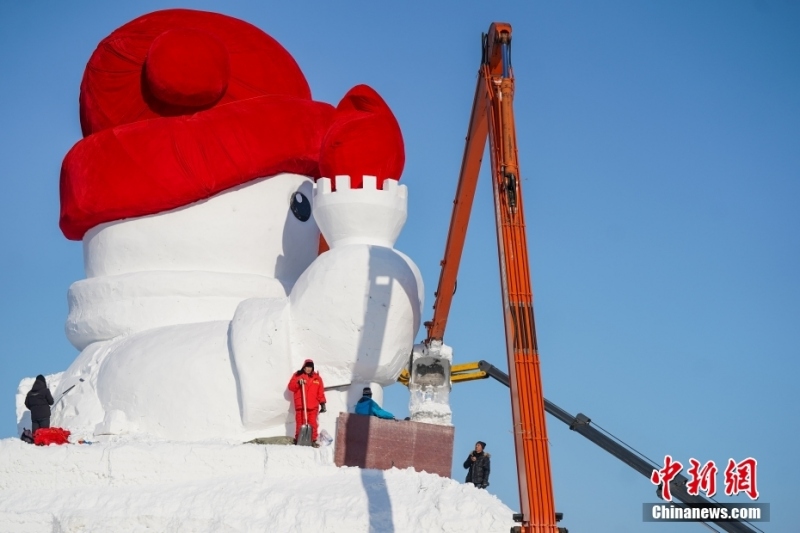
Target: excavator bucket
(429,385)
(433,372)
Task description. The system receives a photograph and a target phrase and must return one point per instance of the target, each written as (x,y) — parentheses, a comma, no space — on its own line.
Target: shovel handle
(303,390)
(63,394)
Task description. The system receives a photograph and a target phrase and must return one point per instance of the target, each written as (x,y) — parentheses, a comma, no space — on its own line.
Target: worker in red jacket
(315,398)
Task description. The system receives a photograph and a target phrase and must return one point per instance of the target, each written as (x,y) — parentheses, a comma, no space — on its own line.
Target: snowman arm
(260,343)
(356,311)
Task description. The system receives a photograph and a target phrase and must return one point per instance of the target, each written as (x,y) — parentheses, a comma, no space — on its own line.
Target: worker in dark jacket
(39,401)
(479,466)
(367,406)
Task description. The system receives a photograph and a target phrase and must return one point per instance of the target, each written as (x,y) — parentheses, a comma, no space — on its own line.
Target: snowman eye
(300,206)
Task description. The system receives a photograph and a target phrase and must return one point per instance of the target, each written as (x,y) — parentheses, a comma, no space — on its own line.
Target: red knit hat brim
(160,164)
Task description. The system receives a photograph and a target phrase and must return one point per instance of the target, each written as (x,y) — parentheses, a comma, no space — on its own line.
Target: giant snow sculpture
(204,178)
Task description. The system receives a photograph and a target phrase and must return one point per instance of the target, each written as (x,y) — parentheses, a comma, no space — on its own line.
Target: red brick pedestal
(370,442)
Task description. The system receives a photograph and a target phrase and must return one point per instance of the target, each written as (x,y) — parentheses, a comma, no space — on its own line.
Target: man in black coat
(39,401)
(479,466)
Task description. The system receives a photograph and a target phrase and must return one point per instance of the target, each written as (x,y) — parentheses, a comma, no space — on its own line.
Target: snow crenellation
(137,485)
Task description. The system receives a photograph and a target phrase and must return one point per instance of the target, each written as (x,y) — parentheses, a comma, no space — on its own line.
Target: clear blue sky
(660,151)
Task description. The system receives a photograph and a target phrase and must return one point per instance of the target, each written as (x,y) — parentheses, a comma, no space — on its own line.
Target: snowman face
(265,227)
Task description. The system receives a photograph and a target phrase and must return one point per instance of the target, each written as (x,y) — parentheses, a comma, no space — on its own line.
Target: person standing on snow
(369,407)
(39,401)
(479,466)
(314,399)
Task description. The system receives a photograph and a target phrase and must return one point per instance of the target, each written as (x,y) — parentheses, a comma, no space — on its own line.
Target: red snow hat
(179,105)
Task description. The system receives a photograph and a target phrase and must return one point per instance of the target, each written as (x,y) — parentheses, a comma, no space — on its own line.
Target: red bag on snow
(47,436)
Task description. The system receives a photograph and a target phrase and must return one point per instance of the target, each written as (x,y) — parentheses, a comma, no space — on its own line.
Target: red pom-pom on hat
(187,68)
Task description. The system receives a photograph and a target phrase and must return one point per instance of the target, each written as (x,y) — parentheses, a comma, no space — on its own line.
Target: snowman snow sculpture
(204,178)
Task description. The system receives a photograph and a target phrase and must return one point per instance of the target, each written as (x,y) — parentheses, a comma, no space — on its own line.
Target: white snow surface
(139,485)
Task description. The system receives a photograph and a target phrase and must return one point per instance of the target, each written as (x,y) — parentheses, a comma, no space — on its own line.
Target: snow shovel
(304,438)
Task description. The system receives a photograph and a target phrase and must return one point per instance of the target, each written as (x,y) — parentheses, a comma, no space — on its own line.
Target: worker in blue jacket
(367,406)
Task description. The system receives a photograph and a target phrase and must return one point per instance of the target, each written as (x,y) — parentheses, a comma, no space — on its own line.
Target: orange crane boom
(493,118)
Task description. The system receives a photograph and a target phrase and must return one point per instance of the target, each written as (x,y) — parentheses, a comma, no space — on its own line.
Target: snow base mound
(138,486)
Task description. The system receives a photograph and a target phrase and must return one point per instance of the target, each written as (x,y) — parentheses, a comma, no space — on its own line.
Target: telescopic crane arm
(493,118)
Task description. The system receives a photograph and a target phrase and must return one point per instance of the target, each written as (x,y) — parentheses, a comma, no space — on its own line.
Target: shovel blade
(304,439)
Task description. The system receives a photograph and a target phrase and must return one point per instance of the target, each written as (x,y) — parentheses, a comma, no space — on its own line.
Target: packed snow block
(136,486)
(139,464)
(370,442)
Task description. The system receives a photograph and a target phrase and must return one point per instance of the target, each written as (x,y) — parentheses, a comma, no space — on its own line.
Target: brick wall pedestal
(370,442)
